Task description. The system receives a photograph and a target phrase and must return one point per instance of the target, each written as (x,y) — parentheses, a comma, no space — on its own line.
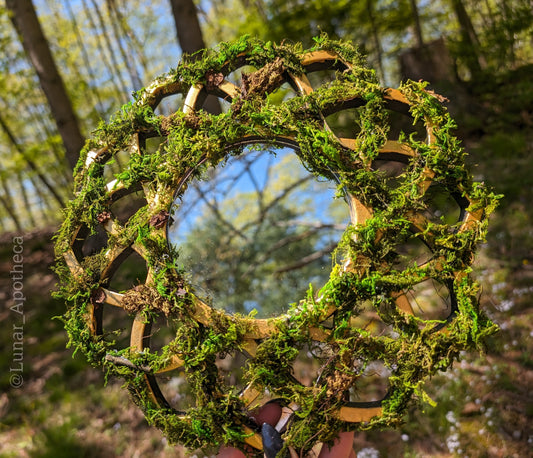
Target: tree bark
(36,46)
(7,201)
(418,27)
(28,210)
(190,37)
(476,60)
(188,28)
(375,37)
(121,89)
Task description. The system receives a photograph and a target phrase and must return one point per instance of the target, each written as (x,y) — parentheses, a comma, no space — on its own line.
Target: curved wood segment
(250,346)
(318,57)
(157,92)
(254,439)
(471,219)
(192,98)
(359,213)
(396,95)
(323,60)
(113,298)
(402,302)
(174,363)
(93,155)
(358,414)
(72,263)
(319,334)
(302,84)
(230,89)
(394,146)
(138,333)
(250,395)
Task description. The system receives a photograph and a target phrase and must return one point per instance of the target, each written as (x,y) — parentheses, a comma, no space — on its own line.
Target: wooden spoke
(191,101)
(302,84)
(396,95)
(72,262)
(139,333)
(174,363)
(229,89)
(112,298)
(358,414)
(402,302)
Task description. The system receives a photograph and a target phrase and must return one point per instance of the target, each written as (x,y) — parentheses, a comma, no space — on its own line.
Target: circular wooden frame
(114,251)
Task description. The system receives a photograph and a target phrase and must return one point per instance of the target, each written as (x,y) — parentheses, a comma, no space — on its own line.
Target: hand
(341,448)
(270,414)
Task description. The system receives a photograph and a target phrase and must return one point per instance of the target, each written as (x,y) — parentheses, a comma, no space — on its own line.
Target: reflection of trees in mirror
(441,206)
(255,233)
(430,300)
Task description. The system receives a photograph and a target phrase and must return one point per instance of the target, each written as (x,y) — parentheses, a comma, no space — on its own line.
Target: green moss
(417,350)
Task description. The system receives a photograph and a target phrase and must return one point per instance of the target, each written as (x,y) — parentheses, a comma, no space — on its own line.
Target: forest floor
(64,409)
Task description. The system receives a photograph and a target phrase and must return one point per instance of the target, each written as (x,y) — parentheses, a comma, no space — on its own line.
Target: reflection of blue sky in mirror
(245,174)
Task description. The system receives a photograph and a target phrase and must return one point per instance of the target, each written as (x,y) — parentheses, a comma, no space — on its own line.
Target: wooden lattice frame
(363,273)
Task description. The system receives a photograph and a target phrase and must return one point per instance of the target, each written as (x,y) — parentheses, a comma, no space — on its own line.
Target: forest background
(92,54)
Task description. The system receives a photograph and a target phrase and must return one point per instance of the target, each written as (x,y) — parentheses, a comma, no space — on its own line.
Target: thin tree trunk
(114,62)
(476,60)
(85,56)
(135,44)
(375,36)
(7,202)
(44,203)
(128,59)
(36,46)
(507,17)
(31,164)
(45,132)
(122,89)
(188,28)
(418,28)
(190,37)
(28,209)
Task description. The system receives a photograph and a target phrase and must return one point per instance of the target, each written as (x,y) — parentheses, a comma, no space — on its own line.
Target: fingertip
(230,452)
(270,413)
(342,447)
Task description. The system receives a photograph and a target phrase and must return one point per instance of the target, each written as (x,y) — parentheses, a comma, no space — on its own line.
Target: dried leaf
(158,221)
(213,80)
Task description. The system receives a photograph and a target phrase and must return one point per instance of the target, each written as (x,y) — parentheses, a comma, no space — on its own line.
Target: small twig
(121,361)
(306,260)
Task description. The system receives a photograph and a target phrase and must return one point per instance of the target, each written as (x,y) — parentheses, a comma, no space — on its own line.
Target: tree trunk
(127,57)
(28,209)
(375,37)
(30,163)
(472,48)
(188,28)
(418,27)
(36,47)
(7,201)
(190,37)
(431,62)
(85,56)
(121,89)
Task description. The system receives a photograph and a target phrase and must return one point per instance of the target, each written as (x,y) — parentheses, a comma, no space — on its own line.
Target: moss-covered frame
(383,218)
